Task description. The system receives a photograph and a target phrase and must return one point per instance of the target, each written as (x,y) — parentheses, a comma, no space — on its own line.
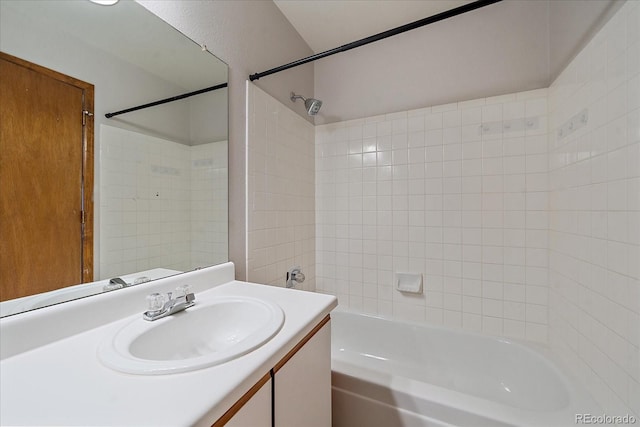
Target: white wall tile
(438,205)
(591,214)
(281,217)
(160,204)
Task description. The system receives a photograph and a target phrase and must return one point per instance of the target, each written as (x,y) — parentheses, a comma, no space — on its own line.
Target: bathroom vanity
(53,371)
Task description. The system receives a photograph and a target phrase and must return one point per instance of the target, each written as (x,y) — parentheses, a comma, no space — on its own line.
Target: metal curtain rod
(166,100)
(383,35)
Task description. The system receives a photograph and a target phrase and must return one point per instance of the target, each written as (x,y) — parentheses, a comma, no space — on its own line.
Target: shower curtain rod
(383,35)
(166,100)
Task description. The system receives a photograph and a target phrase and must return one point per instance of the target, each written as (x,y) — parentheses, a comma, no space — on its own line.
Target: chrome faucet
(161,305)
(294,275)
(115,283)
(118,281)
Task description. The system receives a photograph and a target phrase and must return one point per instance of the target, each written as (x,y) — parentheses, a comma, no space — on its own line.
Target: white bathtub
(387,373)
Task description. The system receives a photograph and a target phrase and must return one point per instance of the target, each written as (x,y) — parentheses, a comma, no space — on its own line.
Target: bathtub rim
(535,346)
(580,401)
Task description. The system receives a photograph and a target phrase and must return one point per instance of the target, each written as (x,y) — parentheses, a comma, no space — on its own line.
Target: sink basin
(204,335)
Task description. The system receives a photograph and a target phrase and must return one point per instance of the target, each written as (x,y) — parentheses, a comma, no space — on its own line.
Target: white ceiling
(326,24)
(112,29)
(331,23)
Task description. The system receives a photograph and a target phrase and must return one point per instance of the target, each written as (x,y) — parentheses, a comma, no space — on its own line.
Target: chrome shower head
(311,104)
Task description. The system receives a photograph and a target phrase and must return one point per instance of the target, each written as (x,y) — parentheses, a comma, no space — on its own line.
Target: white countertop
(64,383)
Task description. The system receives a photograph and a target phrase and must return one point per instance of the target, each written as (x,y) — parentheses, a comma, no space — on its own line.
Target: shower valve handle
(294,275)
(298,277)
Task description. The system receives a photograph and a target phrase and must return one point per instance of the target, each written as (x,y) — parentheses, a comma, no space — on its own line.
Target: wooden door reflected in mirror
(46,179)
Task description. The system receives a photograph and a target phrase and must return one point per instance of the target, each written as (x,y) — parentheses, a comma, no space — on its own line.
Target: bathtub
(388,373)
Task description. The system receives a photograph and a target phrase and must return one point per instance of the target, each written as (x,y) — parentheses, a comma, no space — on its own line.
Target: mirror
(160,173)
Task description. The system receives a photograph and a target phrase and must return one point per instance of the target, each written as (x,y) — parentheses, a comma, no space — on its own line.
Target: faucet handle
(294,275)
(156,302)
(141,279)
(183,290)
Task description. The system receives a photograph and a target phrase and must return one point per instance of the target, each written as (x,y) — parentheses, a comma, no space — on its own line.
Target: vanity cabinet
(296,392)
(303,384)
(256,412)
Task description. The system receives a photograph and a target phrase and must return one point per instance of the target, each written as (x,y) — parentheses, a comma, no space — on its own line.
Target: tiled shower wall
(595,213)
(209,212)
(456,193)
(281,206)
(153,199)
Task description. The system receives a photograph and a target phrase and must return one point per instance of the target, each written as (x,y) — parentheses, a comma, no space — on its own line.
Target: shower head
(311,104)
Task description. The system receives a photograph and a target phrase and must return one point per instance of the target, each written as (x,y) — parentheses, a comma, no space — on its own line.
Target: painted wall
(280,192)
(118,84)
(250,36)
(456,193)
(594,228)
(503,48)
(456,60)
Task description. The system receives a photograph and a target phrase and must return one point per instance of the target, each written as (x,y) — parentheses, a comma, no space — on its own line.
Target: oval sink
(201,336)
